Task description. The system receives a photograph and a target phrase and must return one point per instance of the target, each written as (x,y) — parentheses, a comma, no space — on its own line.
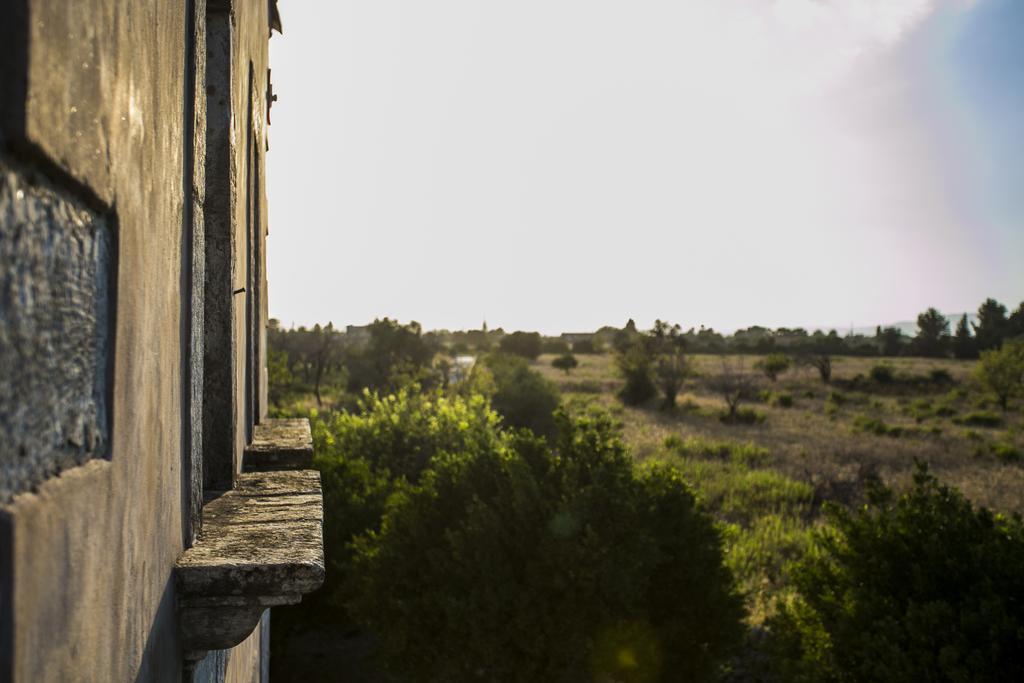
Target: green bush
(1006,451)
(360,456)
(883,374)
(586,346)
(979,418)
(523,398)
(874,425)
(565,362)
(744,416)
(1002,371)
(525,344)
(636,366)
(401,433)
(773,365)
(548,563)
(782,399)
(749,453)
(923,587)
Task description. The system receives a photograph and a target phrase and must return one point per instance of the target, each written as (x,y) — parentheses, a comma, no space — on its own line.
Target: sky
(559,165)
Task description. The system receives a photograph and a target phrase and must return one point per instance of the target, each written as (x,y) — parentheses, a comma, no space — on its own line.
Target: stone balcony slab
(261,545)
(280,445)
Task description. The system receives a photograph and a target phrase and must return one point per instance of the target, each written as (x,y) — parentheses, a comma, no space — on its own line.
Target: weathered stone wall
(102,100)
(55,278)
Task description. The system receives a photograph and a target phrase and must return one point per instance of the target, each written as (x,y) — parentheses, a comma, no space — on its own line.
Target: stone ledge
(280,445)
(261,546)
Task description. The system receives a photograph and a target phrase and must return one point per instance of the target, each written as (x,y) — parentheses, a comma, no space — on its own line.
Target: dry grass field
(812,443)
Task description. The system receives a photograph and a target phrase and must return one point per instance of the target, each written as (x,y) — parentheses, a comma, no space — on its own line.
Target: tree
(321,348)
(1002,371)
(635,365)
(523,398)
(733,383)
(525,344)
(394,356)
(773,365)
(548,562)
(890,340)
(565,362)
(963,342)
(932,334)
(818,351)
(670,366)
(1015,323)
(923,587)
(991,326)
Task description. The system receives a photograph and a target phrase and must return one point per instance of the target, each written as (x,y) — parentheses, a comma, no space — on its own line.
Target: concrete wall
(103,101)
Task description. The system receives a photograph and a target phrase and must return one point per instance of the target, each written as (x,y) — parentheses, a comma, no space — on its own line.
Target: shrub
(635,366)
(525,344)
(400,433)
(1002,371)
(548,563)
(923,587)
(586,346)
(743,416)
(556,346)
(523,398)
(773,365)
(359,456)
(1005,451)
(873,425)
(748,453)
(782,399)
(565,362)
(883,374)
(979,418)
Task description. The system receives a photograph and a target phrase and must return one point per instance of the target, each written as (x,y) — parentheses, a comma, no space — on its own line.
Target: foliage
(525,344)
(586,346)
(979,418)
(922,587)
(964,345)
(733,383)
(634,364)
(990,329)
(537,562)
(890,341)
(1002,371)
(932,334)
(565,362)
(773,365)
(670,367)
(400,434)
(883,374)
(523,398)
(554,346)
(394,355)
(361,456)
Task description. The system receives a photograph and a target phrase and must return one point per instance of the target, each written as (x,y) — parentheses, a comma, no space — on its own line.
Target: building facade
(150,514)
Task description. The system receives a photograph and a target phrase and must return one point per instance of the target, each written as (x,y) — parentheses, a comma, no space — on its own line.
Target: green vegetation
(773,365)
(565,362)
(918,587)
(1002,372)
(475,529)
(535,562)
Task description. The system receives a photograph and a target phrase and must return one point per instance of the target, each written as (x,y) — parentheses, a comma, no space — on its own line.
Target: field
(809,443)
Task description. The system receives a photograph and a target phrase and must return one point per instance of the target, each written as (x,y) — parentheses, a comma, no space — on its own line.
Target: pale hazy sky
(559,165)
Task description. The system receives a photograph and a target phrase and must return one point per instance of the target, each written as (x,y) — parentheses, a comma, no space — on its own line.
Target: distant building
(574,337)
